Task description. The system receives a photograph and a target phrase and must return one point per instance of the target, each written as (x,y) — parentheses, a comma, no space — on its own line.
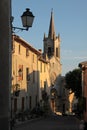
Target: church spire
(51,33)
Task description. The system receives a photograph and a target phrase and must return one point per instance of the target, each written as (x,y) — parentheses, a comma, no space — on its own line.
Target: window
(33,76)
(30,100)
(13,47)
(41,67)
(56,52)
(27,52)
(15,104)
(41,83)
(45,85)
(19,49)
(49,51)
(20,71)
(27,74)
(33,58)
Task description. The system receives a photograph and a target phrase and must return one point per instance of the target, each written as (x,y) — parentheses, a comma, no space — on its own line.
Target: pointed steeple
(59,37)
(44,36)
(51,33)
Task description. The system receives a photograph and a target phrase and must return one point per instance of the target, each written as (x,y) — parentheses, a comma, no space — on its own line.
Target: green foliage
(73,81)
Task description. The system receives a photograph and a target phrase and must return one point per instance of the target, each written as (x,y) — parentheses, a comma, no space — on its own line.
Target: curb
(27,121)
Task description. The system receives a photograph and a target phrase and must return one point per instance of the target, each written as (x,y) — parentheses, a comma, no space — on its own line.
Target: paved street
(51,123)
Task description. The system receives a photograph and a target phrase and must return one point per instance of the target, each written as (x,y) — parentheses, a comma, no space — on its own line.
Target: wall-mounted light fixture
(27,20)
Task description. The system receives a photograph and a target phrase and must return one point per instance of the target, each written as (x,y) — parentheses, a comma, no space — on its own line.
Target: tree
(73,82)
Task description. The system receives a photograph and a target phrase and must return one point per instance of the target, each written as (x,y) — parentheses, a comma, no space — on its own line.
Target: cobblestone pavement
(52,122)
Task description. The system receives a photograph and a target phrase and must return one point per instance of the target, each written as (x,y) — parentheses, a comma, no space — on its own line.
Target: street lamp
(27,20)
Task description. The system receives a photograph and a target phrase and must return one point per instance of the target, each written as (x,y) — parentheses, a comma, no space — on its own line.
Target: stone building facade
(29,75)
(34,71)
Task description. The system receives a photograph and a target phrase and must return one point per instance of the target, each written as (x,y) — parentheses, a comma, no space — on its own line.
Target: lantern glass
(27,18)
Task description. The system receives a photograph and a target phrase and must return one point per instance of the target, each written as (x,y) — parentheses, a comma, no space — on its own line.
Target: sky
(70,20)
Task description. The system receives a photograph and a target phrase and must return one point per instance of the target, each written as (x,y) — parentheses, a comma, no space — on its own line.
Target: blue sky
(70,18)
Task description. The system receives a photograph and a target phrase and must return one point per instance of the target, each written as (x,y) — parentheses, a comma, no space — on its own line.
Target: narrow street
(51,123)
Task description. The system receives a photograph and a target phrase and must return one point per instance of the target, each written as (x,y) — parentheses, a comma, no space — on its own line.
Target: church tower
(52,42)
(51,50)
